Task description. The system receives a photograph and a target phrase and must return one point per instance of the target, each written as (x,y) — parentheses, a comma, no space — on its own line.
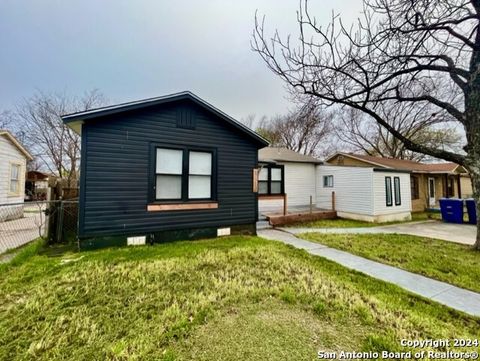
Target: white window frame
(18,180)
(328,181)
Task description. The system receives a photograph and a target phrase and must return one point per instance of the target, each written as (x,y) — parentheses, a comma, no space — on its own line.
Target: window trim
(152,176)
(269,181)
(19,180)
(326,177)
(397,187)
(388,192)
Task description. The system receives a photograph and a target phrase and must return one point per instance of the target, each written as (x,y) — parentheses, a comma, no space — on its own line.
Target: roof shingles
(402,164)
(277,154)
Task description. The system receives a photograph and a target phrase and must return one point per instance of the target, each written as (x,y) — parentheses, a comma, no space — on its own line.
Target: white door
(431,192)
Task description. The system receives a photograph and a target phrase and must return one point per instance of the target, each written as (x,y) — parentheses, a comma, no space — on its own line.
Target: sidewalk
(458,233)
(441,292)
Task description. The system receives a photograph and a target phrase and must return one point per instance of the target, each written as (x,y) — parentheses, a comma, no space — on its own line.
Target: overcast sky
(143,48)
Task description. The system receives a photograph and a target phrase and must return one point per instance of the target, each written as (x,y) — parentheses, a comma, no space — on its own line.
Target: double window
(270,180)
(327,181)
(184,174)
(396,191)
(15,178)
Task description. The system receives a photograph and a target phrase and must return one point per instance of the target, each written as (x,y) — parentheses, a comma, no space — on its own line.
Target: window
(388,191)
(15,178)
(396,187)
(270,180)
(415,190)
(200,175)
(328,181)
(183,174)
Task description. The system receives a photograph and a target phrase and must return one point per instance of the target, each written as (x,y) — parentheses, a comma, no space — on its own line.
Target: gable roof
(76,119)
(277,154)
(16,143)
(402,164)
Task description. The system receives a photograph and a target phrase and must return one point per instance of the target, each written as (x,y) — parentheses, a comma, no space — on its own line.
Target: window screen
(200,175)
(14,178)
(169,165)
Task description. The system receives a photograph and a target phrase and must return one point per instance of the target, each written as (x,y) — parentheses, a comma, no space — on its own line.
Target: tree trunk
(475,175)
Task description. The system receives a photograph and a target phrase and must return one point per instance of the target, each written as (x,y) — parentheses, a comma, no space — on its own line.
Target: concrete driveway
(459,233)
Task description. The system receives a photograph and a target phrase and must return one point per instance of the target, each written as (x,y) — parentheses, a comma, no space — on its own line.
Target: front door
(431,192)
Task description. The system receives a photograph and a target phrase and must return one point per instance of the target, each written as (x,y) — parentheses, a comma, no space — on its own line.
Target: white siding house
(365,193)
(13,162)
(362,193)
(353,190)
(298,178)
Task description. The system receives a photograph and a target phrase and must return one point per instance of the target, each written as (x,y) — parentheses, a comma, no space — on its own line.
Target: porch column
(459,185)
(445,188)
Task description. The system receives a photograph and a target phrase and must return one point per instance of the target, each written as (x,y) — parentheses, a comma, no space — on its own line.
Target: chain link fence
(21,223)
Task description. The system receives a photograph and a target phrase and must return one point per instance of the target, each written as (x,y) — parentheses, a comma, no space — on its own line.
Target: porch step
(263,225)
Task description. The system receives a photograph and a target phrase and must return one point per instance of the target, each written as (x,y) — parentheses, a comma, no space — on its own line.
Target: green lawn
(351,223)
(445,261)
(235,298)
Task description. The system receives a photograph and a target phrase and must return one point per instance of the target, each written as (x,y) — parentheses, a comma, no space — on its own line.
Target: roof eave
(79,118)
(17,144)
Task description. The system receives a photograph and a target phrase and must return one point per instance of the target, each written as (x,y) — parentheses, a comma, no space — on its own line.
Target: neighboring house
(429,181)
(283,171)
(367,194)
(36,186)
(164,168)
(13,164)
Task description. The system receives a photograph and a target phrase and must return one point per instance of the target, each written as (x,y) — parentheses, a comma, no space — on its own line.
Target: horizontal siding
(353,189)
(9,153)
(380,193)
(300,183)
(115,194)
(299,186)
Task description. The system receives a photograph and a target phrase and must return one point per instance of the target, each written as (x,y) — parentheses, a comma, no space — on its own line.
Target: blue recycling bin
(452,210)
(472,211)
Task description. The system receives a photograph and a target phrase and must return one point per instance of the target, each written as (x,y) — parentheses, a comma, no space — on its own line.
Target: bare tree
(363,134)
(52,143)
(413,52)
(301,130)
(6,120)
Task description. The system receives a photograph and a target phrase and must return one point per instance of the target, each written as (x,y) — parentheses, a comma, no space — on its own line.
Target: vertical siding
(380,193)
(116,171)
(353,189)
(9,153)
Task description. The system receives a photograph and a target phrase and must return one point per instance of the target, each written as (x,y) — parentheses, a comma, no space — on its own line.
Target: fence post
(333,200)
(60,223)
(285,205)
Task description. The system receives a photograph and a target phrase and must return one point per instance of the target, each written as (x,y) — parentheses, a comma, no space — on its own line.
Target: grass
(450,262)
(351,223)
(224,299)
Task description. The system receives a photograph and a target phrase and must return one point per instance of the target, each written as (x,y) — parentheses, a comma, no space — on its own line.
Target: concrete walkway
(444,293)
(458,233)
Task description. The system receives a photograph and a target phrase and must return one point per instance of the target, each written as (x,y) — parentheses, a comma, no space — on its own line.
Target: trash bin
(452,210)
(472,211)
